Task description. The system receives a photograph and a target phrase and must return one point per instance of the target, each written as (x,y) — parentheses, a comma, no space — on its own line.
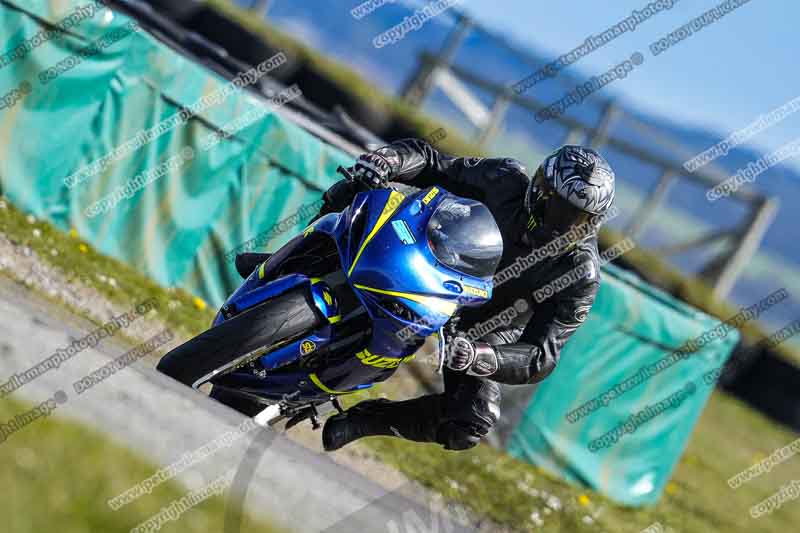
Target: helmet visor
(560,215)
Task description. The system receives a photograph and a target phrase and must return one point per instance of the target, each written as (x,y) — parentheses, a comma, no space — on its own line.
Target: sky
(722,77)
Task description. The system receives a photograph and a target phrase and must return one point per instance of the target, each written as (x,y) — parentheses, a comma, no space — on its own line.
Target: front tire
(286,316)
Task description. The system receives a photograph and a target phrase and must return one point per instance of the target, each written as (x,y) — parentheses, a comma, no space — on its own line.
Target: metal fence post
(724,273)
(496,117)
(650,205)
(418,88)
(603,128)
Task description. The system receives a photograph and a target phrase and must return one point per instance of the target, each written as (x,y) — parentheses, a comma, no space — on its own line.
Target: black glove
(372,171)
(473,358)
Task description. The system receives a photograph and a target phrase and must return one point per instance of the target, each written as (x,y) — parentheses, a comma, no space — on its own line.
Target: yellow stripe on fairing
(334,319)
(437,304)
(315,380)
(391,205)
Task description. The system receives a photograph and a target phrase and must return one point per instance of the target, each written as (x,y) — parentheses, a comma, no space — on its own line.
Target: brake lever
(346,173)
(443,340)
(351,178)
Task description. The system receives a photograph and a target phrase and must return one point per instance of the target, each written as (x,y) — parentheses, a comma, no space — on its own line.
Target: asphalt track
(161,420)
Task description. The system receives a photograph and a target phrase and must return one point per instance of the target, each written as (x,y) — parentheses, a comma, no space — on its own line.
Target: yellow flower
(83,248)
(672,488)
(583,499)
(73,233)
(199,303)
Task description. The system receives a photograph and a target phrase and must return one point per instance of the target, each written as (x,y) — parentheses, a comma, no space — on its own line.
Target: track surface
(161,420)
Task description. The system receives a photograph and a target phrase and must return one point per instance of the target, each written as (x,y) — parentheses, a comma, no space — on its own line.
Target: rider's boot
(416,420)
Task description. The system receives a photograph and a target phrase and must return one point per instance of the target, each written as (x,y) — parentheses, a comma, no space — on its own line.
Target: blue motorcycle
(341,306)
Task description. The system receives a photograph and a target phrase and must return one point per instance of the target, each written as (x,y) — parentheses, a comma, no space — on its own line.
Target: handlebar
(349,176)
(346,173)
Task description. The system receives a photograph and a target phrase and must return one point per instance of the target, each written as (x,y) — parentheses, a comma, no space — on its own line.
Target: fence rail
(742,241)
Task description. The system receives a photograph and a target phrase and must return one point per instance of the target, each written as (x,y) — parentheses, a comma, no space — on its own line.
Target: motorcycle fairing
(384,252)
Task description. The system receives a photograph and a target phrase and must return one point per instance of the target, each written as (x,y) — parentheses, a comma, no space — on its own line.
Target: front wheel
(236,341)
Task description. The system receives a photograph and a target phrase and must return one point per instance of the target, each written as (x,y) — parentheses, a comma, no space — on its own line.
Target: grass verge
(77,260)
(729,437)
(58,476)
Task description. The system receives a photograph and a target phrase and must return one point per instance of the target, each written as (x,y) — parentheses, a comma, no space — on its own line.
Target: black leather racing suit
(527,346)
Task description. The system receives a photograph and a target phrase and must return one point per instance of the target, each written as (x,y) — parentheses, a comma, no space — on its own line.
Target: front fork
(442,351)
(447,331)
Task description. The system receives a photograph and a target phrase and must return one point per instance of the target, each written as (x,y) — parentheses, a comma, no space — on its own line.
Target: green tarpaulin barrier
(627,444)
(262,184)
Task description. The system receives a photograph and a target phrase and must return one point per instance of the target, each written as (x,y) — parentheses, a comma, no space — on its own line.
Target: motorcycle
(342,305)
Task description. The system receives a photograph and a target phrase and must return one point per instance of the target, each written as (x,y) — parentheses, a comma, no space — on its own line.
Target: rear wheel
(234,342)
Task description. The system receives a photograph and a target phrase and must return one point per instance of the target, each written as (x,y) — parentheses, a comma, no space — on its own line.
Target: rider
(573,186)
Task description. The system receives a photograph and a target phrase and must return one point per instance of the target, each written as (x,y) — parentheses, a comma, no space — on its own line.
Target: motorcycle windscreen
(463,235)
